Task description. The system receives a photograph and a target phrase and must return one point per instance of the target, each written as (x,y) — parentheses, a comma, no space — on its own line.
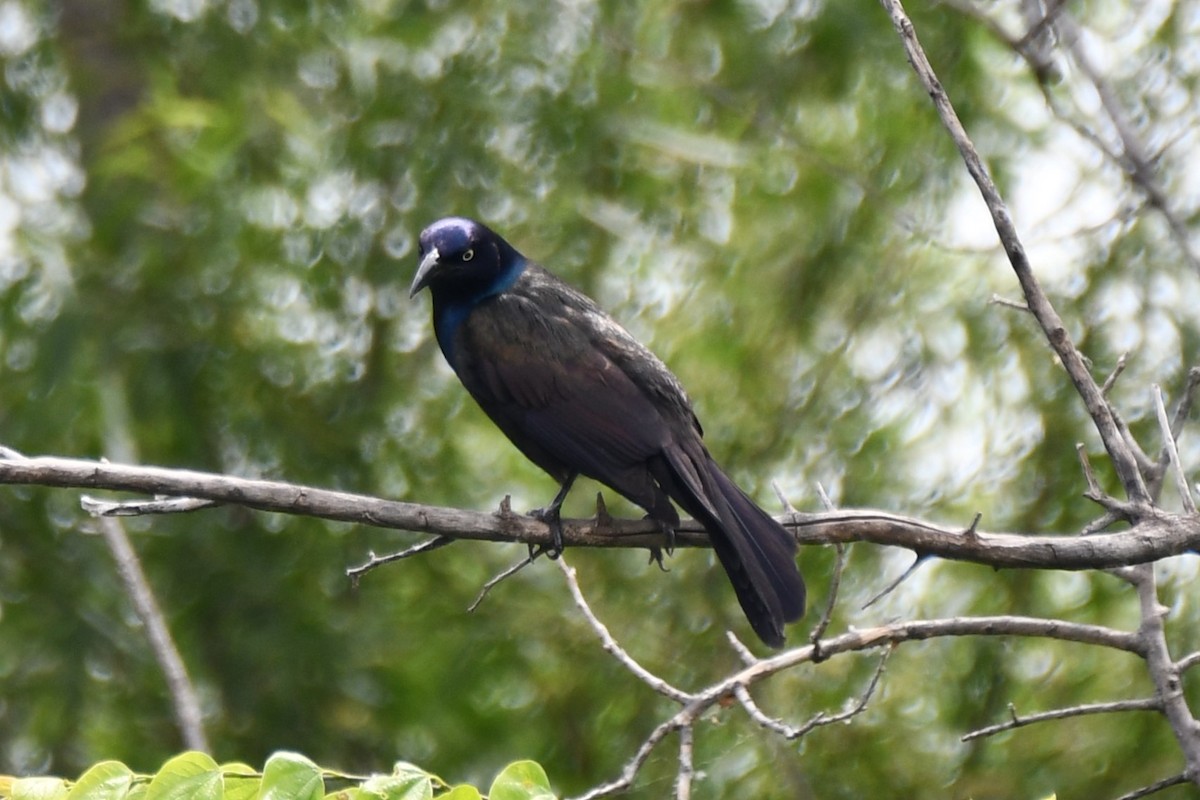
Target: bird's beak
(424,271)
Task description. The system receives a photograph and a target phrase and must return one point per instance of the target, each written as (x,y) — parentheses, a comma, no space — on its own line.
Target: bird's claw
(656,557)
(668,532)
(553,521)
(656,553)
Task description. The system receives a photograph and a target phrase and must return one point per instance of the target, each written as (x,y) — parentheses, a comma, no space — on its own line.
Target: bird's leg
(550,515)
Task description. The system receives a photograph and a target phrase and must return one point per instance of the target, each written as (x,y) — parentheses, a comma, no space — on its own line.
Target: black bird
(578,395)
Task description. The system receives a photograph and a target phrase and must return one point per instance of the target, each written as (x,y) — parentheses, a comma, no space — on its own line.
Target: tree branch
(1156,535)
(1039,305)
(1168,681)
(737,683)
(183,695)
(1017,721)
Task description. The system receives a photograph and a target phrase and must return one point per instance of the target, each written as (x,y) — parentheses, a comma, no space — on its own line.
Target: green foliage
(285,776)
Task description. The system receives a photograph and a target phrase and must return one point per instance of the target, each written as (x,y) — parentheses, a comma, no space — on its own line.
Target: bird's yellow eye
(468,255)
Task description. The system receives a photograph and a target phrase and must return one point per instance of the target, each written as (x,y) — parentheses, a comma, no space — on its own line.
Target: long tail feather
(757,553)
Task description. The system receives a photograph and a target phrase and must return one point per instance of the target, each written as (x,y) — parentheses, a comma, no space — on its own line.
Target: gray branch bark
(1156,535)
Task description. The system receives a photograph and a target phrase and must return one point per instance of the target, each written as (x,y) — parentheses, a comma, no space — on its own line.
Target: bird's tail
(757,553)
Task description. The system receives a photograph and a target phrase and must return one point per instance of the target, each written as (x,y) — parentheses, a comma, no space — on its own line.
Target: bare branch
(610,644)
(819,719)
(1168,682)
(835,583)
(1187,662)
(1111,380)
(1154,536)
(835,580)
(184,700)
(740,648)
(891,587)
(1156,787)
(854,641)
(1182,411)
(504,575)
(997,300)
(1017,721)
(1135,160)
(137,508)
(373,561)
(1093,486)
(683,781)
(1181,482)
(1039,305)
(630,771)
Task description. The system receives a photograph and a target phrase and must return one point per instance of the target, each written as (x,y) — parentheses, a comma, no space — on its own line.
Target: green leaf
(521,780)
(39,789)
(349,793)
(408,786)
(188,776)
(242,781)
(108,780)
(462,792)
(291,776)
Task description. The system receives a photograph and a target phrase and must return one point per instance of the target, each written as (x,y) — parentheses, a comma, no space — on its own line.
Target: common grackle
(579,396)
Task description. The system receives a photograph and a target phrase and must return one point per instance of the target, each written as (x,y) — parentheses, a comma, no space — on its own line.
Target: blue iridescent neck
(452,305)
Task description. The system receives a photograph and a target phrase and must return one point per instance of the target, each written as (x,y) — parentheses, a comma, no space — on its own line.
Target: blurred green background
(208,211)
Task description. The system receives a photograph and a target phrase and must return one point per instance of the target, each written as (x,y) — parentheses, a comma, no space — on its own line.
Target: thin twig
(1105,520)
(1158,469)
(1111,380)
(1017,721)
(1181,482)
(1187,662)
(1133,159)
(1156,787)
(743,652)
(835,579)
(835,583)
(373,560)
(496,579)
(634,765)
(137,508)
(997,300)
(1093,487)
(819,719)
(891,587)
(612,647)
(1136,162)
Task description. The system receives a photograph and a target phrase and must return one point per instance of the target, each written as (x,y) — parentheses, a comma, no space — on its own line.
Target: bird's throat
(451,308)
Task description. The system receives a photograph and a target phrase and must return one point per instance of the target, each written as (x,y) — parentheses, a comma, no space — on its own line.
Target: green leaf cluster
(285,776)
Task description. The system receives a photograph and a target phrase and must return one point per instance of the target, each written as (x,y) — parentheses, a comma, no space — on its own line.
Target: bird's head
(466,257)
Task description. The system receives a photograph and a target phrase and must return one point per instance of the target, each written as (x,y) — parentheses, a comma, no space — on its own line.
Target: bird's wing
(543,372)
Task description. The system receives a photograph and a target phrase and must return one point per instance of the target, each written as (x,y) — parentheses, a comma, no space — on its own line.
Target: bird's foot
(656,553)
(668,532)
(656,557)
(553,521)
